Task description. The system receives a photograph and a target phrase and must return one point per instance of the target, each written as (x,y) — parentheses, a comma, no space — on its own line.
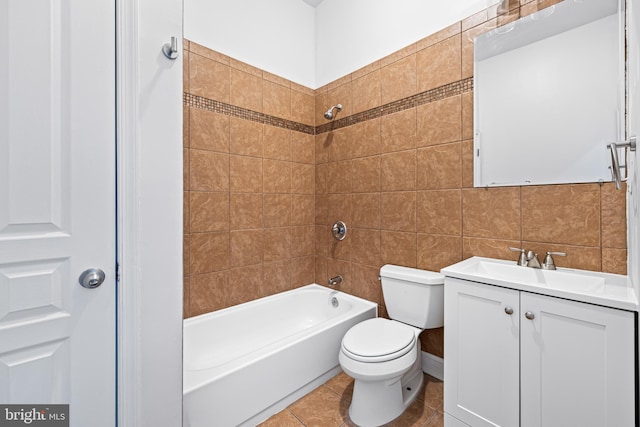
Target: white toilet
(382,355)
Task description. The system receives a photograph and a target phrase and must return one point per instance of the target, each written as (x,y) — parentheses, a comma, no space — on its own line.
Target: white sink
(563,279)
(611,290)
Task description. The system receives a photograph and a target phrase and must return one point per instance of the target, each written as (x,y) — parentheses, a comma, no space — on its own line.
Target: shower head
(329,115)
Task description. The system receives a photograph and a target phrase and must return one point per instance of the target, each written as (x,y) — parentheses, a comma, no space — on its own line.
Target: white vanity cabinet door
(577,364)
(481,345)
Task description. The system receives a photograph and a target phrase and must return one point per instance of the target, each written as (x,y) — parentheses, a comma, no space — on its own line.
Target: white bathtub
(247,362)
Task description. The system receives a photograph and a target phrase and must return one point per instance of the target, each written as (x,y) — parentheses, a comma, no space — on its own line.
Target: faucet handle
(522,259)
(548,263)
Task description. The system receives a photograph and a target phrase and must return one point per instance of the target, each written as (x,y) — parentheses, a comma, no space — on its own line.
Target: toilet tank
(413,296)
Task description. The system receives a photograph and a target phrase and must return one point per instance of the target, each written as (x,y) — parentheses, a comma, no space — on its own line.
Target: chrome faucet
(335,280)
(532,260)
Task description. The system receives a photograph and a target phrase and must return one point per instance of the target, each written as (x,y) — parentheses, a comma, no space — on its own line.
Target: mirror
(549,96)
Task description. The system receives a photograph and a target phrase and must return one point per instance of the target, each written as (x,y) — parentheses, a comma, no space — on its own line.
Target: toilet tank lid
(411,274)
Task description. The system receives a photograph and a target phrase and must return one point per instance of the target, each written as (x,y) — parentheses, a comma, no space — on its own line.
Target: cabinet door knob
(529,315)
(508,310)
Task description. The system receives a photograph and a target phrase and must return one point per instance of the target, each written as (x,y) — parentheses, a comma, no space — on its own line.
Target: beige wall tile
(302,108)
(398,131)
(398,171)
(322,172)
(366,210)
(208,130)
(277,210)
(398,55)
(439,167)
(302,178)
(490,248)
(277,176)
(436,252)
(277,143)
(245,211)
(277,244)
(614,260)
(186,218)
(208,252)
(302,240)
(322,236)
(365,283)
(467,115)
(185,69)
(321,209)
(467,163)
(398,211)
(365,246)
(246,247)
(366,92)
(321,263)
(276,100)
(302,209)
(439,212)
(185,126)
(209,79)
(185,169)
(439,122)
(185,298)
(439,64)
(614,217)
(245,284)
(302,271)
(209,211)
(246,137)
(277,276)
(186,254)
(339,177)
(341,144)
(366,139)
(245,174)
(322,144)
(246,90)
(492,213)
(340,207)
(340,94)
(208,171)
(365,174)
(302,148)
(567,214)
(398,248)
(208,292)
(398,80)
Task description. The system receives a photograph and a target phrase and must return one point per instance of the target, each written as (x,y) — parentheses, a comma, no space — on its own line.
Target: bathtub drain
(334,302)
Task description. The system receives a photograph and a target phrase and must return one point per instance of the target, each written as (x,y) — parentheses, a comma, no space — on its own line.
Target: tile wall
(249,182)
(261,191)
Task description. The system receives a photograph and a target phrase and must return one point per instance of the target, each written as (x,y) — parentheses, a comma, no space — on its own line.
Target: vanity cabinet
(515,358)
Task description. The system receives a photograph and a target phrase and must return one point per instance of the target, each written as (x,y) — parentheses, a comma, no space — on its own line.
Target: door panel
(57,178)
(481,354)
(577,364)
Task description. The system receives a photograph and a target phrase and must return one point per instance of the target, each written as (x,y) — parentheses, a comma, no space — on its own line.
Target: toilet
(383,356)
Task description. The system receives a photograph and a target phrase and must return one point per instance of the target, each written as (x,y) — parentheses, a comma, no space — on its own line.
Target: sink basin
(569,281)
(612,290)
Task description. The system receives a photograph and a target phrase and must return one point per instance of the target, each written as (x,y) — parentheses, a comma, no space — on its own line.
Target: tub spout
(335,280)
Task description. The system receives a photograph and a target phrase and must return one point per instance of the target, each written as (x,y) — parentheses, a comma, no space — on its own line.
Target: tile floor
(328,406)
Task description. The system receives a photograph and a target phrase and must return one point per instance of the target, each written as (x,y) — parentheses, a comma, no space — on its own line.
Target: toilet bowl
(383,355)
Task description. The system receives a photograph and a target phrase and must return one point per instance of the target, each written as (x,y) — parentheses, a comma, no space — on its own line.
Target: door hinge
(117,272)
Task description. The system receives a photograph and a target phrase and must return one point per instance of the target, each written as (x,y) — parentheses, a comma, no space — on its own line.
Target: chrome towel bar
(615,162)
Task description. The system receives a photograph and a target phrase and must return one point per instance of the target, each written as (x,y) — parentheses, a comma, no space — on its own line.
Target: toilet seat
(378,340)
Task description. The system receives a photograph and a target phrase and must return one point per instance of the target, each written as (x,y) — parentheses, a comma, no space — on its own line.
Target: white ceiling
(313,3)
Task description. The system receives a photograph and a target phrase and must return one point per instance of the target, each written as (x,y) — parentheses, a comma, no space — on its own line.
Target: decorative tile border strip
(243,113)
(432,95)
(445,91)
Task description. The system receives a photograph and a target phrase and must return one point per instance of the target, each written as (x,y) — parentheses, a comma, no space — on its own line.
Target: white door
(481,347)
(57,205)
(577,364)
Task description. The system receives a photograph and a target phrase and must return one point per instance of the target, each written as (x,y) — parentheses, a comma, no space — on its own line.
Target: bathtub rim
(194,380)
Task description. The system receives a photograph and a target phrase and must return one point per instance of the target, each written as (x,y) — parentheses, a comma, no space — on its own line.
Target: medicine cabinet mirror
(549,95)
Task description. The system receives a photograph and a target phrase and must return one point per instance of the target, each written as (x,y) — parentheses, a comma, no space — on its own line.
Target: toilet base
(375,403)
